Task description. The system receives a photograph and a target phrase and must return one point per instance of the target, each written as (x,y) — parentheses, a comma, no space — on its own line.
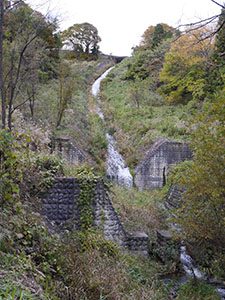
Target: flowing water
(192,271)
(116,168)
(188,264)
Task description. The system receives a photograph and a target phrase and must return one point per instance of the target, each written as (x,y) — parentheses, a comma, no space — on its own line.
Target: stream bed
(118,171)
(116,168)
(191,270)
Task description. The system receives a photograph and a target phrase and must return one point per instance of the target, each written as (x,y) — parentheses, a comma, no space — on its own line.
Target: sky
(121,23)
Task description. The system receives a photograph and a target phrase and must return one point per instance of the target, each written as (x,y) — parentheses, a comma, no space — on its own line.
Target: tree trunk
(31,95)
(11,91)
(2,94)
(61,100)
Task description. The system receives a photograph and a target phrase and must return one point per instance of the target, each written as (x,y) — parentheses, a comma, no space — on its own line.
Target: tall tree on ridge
(83,38)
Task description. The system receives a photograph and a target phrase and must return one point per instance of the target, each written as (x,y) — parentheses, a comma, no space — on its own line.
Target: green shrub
(40,174)
(98,143)
(10,167)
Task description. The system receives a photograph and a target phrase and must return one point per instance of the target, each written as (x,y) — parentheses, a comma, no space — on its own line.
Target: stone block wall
(174,197)
(138,242)
(152,171)
(61,202)
(61,205)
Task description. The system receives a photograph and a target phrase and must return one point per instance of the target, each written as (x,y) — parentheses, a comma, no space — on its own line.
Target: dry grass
(139,211)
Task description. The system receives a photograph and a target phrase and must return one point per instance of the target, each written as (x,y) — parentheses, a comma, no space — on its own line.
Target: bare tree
(25,47)
(4,7)
(189,27)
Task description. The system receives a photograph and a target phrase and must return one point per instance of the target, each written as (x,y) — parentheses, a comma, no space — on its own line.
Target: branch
(11,6)
(210,19)
(217,3)
(201,25)
(214,32)
(19,105)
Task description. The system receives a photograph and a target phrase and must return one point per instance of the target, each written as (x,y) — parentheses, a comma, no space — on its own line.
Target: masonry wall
(61,206)
(152,171)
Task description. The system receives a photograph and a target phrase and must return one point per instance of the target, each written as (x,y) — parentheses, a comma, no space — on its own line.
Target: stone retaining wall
(61,205)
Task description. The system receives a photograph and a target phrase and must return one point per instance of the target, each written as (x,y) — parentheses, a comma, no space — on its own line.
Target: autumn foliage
(184,72)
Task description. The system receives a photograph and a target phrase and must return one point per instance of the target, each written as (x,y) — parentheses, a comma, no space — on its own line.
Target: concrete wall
(61,206)
(152,171)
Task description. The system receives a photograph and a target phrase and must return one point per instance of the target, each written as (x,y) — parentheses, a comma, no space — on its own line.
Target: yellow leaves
(184,72)
(193,46)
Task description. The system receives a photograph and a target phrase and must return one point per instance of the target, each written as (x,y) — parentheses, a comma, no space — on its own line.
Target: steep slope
(137,115)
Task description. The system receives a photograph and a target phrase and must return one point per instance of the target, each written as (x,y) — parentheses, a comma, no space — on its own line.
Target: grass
(197,291)
(78,122)
(139,211)
(80,265)
(139,115)
(142,212)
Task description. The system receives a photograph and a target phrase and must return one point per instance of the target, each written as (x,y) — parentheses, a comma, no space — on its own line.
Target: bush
(39,174)
(10,168)
(202,212)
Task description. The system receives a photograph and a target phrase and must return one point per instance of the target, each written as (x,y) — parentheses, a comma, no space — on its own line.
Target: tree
(83,38)
(3,104)
(155,35)
(4,7)
(66,88)
(220,38)
(25,44)
(147,63)
(184,72)
(202,214)
(216,78)
(190,27)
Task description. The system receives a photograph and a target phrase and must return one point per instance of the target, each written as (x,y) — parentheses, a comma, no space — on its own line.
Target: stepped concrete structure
(153,169)
(62,206)
(65,149)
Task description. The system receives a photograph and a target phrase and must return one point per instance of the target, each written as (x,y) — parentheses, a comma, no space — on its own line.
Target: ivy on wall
(87,187)
(87,181)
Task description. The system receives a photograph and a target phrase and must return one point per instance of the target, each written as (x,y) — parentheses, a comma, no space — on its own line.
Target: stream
(191,270)
(117,171)
(116,168)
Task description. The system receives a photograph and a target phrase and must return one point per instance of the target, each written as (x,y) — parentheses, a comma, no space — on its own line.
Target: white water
(116,168)
(188,265)
(192,271)
(96,85)
(96,89)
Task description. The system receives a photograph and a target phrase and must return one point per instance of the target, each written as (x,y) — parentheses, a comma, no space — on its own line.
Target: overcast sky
(122,22)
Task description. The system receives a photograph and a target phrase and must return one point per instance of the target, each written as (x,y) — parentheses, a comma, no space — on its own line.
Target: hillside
(137,115)
(54,128)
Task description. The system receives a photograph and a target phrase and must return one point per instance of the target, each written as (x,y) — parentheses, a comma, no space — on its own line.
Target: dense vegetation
(175,89)
(172,86)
